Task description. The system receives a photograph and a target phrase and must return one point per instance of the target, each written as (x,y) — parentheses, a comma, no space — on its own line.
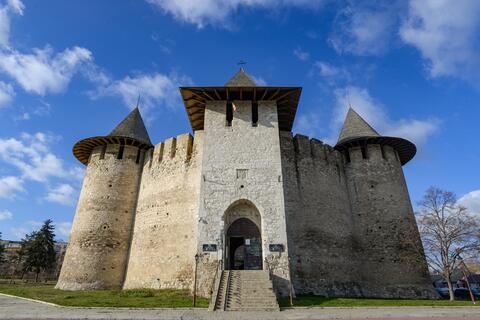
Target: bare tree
(448,231)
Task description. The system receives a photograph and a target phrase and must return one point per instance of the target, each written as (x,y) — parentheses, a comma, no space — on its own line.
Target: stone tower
(241,207)
(387,242)
(97,253)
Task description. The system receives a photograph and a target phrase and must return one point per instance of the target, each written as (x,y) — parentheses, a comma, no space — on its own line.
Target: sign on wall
(276,247)
(209,247)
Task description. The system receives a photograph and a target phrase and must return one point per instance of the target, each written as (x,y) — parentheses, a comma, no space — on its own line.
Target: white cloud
(446,34)
(26,228)
(471,201)
(307,124)
(155,90)
(301,55)
(15,6)
(374,113)
(63,194)
(10,186)
(328,70)
(31,154)
(64,228)
(5,215)
(214,12)
(6,93)
(363,30)
(19,232)
(4,26)
(259,80)
(43,71)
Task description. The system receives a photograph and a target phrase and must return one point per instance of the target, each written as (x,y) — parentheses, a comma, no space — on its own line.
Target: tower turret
(391,259)
(97,253)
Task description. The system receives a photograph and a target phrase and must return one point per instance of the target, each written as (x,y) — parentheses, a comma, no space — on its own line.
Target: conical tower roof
(357,132)
(241,79)
(355,126)
(131,131)
(132,127)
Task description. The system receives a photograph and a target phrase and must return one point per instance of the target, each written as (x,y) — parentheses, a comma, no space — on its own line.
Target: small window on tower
(254,113)
(364,152)
(229,113)
(137,160)
(120,152)
(102,152)
(242,174)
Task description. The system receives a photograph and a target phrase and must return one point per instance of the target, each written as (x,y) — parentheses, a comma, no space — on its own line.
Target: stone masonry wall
(322,249)
(164,239)
(392,263)
(96,255)
(241,164)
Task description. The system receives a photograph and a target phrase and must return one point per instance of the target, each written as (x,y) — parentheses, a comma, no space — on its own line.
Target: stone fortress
(243,193)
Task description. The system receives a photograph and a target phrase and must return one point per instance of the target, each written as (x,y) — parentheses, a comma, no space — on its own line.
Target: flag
(234,107)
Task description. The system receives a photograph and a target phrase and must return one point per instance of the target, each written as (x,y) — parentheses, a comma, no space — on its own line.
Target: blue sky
(73,69)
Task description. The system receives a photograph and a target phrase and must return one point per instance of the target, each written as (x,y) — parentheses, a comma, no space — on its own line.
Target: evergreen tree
(2,251)
(40,249)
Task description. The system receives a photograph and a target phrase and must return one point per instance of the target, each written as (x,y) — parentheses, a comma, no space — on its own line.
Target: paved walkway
(15,308)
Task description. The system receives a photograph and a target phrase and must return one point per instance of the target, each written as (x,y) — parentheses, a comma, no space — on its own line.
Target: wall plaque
(277,247)
(210,247)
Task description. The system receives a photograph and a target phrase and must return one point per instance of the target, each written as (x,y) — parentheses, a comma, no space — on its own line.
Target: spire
(132,127)
(355,127)
(241,79)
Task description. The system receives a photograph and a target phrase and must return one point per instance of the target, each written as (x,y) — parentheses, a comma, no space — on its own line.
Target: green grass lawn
(317,301)
(142,298)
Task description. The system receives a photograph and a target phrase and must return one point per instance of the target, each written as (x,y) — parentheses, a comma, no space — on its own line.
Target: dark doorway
(244,246)
(237,253)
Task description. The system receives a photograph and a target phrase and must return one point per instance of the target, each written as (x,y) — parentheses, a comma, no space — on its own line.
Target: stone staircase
(244,290)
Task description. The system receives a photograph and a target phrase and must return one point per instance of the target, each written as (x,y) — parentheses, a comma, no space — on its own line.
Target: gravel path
(17,308)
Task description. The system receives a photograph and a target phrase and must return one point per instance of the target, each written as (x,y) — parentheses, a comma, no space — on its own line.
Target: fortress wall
(96,255)
(164,238)
(319,222)
(392,261)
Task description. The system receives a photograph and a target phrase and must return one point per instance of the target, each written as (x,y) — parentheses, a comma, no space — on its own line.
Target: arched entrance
(243,241)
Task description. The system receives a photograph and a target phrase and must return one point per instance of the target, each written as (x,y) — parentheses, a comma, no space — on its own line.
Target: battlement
(176,150)
(373,153)
(310,149)
(117,152)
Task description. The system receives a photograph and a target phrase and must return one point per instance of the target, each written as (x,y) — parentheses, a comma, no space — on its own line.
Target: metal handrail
(227,289)
(216,285)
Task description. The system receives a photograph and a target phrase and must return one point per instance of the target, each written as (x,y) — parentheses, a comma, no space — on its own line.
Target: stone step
(245,290)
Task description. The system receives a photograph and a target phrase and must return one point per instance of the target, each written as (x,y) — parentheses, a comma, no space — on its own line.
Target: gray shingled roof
(131,131)
(354,127)
(357,132)
(132,127)
(241,79)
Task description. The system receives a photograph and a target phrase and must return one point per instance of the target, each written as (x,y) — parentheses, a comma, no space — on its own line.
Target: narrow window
(383,152)
(347,156)
(396,155)
(229,113)
(254,114)
(151,158)
(120,152)
(102,153)
(338,172)
(138,156)
(364,152)
(242,174)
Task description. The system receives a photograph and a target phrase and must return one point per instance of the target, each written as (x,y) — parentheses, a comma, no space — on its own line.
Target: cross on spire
(241,63)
